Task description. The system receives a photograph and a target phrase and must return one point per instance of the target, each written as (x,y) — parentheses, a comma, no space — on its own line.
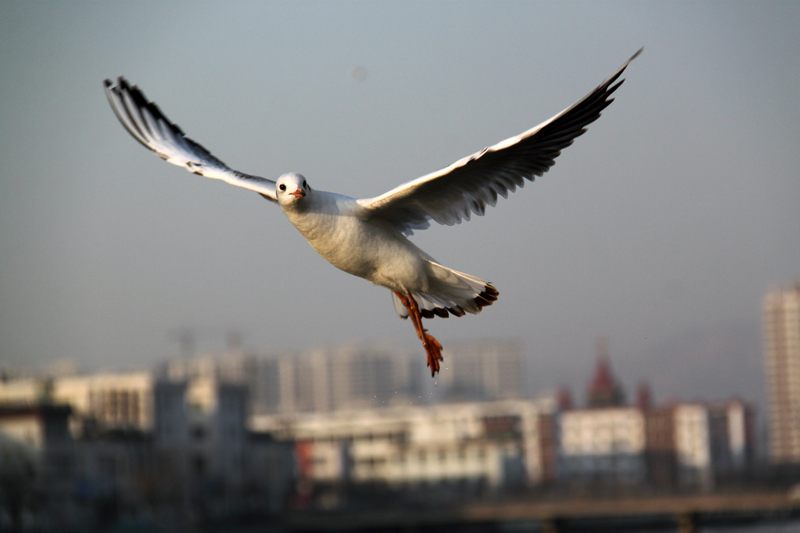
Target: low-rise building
(112,400)
(37,468)
(693,445)
(606,445)
(713,442)
(490,445)
(195,456)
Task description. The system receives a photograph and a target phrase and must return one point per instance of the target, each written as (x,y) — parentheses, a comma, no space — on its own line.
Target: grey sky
(661,228)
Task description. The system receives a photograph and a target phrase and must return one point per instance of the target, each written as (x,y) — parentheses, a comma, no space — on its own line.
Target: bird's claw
(434,350)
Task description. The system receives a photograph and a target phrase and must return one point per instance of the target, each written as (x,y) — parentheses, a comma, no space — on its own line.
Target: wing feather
(452,194)
(148,125)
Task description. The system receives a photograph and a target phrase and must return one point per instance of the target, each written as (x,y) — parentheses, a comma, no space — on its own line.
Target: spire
(604,391)
(643,396)
(564,398)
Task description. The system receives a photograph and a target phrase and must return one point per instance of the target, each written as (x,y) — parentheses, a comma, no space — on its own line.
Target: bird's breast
(369,250)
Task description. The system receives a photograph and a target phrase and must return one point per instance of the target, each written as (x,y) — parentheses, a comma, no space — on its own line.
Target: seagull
(368,237)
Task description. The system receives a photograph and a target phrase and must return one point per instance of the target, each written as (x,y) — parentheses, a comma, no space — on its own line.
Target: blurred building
(781,325)
(361,376)
(484,370)
(455,447)
(202,429)
(693,445)
(37,468)
(118,400)
(738,428)
(660,456)
(714,442)
(22,390)
(604,445)
(187,452)
(352,376)
(604,390)
(679,445)
(690,445)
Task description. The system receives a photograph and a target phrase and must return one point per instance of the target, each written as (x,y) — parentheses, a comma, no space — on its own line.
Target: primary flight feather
(368,237)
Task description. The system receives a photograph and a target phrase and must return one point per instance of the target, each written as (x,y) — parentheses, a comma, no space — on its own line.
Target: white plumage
(368,237)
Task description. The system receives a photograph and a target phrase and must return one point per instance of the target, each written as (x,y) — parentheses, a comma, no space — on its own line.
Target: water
(792,526)
(788,526)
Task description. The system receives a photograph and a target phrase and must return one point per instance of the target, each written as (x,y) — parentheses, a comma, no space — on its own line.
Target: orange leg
(432,347)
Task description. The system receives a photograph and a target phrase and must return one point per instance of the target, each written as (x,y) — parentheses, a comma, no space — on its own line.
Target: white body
(342,232)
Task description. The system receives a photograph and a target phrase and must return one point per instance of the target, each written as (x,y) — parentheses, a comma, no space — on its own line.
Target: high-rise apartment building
(483,370)
(351,376)
(781,323)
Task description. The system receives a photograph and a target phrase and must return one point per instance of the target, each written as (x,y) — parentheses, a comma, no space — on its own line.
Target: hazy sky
(661,228)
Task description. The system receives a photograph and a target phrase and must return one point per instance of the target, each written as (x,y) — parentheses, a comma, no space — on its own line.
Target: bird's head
(292,190)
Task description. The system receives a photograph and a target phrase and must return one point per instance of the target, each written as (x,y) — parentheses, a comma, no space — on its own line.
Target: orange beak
(299,193)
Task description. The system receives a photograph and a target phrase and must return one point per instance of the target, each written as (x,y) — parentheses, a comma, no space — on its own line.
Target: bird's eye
(282,187)
(304,184)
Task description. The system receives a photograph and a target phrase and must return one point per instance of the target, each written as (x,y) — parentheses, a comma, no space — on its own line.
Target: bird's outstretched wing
(450,195)
(148,125)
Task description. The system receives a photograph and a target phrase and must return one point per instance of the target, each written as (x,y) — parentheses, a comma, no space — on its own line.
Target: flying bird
(368,237)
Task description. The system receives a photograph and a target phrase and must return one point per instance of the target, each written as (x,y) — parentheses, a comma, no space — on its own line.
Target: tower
(781,328)
(604,391)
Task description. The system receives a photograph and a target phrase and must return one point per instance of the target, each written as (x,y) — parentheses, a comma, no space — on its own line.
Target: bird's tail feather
(450,293)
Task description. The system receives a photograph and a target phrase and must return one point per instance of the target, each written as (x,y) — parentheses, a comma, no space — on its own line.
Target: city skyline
(661,228)
(483,370)
(197,433)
